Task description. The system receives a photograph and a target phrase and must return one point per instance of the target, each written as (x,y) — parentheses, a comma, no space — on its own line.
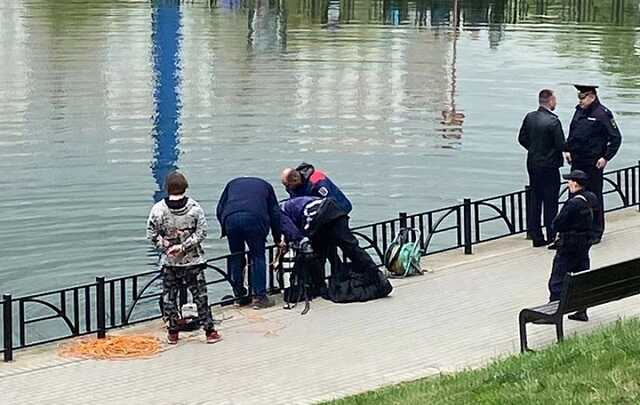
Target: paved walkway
(462,315)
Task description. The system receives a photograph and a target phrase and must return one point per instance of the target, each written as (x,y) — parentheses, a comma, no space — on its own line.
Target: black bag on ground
(347,285)
(305,273)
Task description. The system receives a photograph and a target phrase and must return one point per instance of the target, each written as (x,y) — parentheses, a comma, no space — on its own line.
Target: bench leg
(523,334)
(560,330)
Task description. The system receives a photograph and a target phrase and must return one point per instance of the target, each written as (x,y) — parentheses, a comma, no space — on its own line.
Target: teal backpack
(402,257)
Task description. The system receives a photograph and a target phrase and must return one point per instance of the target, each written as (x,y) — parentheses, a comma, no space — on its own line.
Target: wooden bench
(584,290)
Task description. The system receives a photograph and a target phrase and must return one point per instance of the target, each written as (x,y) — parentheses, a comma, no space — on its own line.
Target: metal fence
(112,303)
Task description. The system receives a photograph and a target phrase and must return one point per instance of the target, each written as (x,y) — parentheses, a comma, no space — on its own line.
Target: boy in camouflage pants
(177,227)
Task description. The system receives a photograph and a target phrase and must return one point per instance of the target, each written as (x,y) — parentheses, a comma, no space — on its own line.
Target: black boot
(580,316)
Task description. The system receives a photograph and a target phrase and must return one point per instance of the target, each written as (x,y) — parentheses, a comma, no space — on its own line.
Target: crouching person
(177,227)
(324,222)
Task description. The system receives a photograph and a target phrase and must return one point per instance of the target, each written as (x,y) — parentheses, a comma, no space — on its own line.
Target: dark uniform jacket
(574,222)
(304,216)
(593,134)
(315,183)
(542,136)
(254,196)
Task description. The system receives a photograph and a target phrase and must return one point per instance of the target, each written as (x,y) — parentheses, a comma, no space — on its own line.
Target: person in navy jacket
(306,181)
(324,223)
(247,209)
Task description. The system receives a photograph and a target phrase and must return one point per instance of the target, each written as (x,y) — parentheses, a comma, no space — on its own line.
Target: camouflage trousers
(193,278)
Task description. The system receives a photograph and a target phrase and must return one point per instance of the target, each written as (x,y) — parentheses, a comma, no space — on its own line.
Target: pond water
(408,105)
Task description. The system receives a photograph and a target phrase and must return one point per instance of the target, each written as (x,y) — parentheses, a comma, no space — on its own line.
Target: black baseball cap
(577,176)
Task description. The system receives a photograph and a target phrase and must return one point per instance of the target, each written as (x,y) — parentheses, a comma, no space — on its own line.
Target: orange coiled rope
(112,348)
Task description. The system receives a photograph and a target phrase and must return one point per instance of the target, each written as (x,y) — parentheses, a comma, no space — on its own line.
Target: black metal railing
(116,302)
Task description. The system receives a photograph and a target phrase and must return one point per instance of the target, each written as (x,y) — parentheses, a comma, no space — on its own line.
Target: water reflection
(333,14)
(452,119)
(371,89)
(166,37)
(267,23)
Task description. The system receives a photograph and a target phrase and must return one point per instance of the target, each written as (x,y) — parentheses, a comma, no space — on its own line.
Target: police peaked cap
(585,88)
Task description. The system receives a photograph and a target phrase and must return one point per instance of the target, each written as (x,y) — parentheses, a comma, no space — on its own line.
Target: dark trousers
(337,233)
(595,185)
(563,263)
(193,277)
(545,187)
(247,229)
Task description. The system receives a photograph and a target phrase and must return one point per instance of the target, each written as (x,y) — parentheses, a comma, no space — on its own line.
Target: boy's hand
(175,250)
(163,242)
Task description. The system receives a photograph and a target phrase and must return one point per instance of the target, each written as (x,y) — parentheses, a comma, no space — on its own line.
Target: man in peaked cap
(594,139)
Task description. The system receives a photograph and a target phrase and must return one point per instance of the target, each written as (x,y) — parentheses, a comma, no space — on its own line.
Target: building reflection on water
(413,81)
(267,25)
(166,37)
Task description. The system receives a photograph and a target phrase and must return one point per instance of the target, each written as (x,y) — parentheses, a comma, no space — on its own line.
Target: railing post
(637,186)
(527,212)
(403,219)
(466,220)
(100,308)
(7,327)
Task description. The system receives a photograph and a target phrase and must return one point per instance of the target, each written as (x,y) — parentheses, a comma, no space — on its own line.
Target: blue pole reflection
(165,37)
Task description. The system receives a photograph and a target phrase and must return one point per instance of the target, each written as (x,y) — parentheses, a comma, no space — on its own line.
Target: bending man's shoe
(262,302)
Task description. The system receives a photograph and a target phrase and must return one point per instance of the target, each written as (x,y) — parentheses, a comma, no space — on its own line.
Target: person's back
(249,195)
(541,135)
(247,208)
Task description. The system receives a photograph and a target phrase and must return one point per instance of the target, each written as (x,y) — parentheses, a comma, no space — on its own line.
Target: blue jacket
(306,216)
(292,218)
(250,195)
(317,184)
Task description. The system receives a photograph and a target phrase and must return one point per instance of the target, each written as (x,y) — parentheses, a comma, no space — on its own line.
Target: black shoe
(579,316)
(539,243)
(595,241)
(243,301)
(553,246)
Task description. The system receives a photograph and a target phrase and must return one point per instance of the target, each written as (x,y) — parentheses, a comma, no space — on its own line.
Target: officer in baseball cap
(574,225)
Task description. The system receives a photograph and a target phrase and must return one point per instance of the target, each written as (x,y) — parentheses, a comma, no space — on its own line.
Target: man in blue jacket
(306,181)
(325,223)
(247,209)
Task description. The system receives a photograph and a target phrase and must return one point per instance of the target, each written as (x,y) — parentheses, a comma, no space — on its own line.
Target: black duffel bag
(348,285)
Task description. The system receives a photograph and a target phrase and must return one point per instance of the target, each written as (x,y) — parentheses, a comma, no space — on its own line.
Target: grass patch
(601,368)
